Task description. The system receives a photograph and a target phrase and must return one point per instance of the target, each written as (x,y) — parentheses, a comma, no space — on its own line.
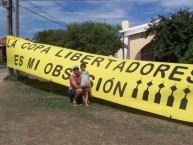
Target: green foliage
(188,57)
(97,38)
(52,37)
(173,34)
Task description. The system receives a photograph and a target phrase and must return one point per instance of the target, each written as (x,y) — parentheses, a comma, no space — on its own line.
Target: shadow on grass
(3,65)
(45,86)
(62,90)
(137,111)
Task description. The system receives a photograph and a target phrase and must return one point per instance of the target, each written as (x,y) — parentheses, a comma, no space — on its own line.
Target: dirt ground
(35,113)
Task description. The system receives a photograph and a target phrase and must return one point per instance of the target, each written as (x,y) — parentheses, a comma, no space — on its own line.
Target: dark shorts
(72,93)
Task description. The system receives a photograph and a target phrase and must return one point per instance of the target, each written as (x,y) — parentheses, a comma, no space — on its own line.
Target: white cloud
(176,3)
(110,11)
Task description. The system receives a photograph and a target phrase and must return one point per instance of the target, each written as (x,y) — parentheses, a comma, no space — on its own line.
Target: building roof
(135,30)
(2,42)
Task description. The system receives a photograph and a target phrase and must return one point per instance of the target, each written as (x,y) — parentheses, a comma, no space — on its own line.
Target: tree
(97,38)
(52,37)
(173,36)
(188,56)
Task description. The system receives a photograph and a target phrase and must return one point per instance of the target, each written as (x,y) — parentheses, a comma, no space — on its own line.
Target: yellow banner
(161,88)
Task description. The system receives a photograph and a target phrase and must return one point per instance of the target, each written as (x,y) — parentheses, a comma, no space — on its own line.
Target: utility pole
(123,46)
(125,25)
(9,25)
(17,27)
(9,17)
(17,18)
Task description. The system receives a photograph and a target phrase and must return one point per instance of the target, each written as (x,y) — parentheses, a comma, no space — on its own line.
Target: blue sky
(68,11)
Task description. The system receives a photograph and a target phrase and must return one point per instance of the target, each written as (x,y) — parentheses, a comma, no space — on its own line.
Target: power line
(44,12)
(2,5)
(43,16)
(55,1)
(77,15)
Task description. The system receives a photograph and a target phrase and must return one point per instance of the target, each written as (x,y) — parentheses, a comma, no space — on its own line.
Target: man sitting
(75,90)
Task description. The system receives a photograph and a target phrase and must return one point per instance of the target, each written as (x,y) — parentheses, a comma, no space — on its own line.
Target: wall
(2,53)
(137,43)
(119,54)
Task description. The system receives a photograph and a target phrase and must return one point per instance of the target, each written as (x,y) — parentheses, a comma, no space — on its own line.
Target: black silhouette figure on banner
(184,101)
(146,92)
(158,94)
(135,90)
(170,100)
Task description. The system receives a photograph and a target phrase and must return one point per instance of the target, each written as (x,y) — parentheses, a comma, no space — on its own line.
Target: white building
(138,47)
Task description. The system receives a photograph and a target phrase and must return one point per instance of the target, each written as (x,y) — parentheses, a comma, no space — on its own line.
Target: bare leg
(86,98)
(90,94)
(83,97)
(78,93)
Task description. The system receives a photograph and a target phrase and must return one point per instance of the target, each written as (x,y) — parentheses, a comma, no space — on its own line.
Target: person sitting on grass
(75,90)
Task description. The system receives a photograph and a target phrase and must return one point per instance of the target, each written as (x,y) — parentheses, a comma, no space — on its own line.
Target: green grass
(30,97)
(53,96)
(52,102)
(55,101)
(11,78)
